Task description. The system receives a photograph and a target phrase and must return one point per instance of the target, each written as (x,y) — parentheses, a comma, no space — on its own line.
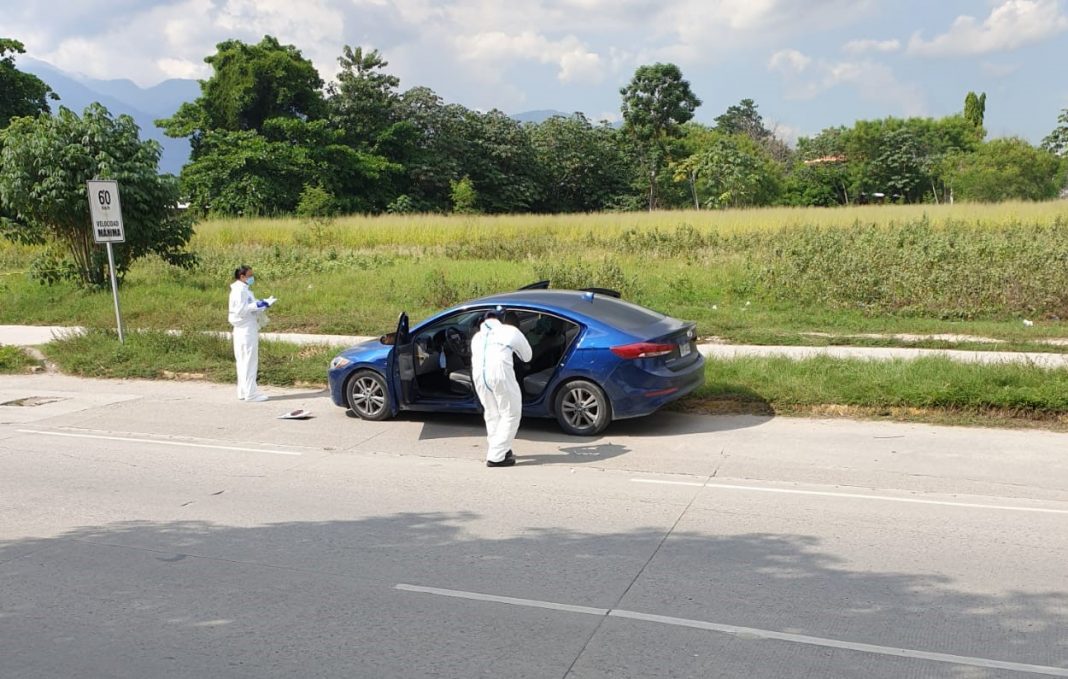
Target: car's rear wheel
(367,395)
(582,409)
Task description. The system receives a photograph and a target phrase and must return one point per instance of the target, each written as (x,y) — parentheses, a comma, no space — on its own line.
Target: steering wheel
(456,342)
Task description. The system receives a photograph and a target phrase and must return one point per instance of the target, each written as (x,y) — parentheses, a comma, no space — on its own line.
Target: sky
(808,64)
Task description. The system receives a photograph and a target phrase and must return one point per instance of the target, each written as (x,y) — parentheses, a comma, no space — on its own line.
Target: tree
(900,168)
(250,84)
(902,156)
(822,174)
(975,109)
(21,94)
(317,208)
(582,166)
(260,134)
(743,118)
(44,165)
(364,106)
(501,163)
(264,173)
(655,103)
(1004,169)
(464,196)
(730,170)
(1057,140)
(364,100)
(437,149)
(451,142)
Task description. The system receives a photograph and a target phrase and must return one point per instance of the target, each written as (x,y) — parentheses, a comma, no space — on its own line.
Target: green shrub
(576,275)
(14,360)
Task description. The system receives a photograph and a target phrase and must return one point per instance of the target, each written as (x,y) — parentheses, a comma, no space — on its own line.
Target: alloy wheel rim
(581,408)
(368,397)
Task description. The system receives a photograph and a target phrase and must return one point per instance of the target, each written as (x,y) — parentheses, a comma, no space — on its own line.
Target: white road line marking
(848,645)
(860,496)
(748,632)
(530,603)
(156,442)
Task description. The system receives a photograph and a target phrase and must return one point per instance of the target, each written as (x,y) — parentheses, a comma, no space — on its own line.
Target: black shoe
(508,461)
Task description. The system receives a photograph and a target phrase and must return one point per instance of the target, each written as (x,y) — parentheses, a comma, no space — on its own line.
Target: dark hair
(492,313)
(241,271)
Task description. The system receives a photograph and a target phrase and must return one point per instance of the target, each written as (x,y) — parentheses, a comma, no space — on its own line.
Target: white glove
(271,300)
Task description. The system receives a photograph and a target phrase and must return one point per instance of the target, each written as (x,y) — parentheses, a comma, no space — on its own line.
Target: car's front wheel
(582,409)
(367,395)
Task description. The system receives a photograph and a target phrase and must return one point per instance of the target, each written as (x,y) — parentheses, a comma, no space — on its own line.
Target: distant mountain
(144,105)
(160,100)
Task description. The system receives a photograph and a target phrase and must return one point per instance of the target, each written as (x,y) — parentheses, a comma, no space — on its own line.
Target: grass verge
(934,390)
(930,382)
(190,356)
(13,360)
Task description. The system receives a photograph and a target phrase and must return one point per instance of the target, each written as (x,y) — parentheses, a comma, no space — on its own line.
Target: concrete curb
(32,335)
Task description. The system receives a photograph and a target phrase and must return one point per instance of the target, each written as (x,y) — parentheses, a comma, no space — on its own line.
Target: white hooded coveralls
(244,315)
(495,383)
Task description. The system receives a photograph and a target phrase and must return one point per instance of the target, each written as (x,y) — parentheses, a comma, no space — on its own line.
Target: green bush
(14,359)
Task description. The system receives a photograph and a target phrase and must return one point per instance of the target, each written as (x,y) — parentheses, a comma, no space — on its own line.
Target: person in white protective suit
(492,373)
(246,315)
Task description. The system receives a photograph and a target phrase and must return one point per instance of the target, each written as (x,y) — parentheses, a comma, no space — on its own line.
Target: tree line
(267,136)
(265,130)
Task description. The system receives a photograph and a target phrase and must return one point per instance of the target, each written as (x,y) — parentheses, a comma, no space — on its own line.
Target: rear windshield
(616,312)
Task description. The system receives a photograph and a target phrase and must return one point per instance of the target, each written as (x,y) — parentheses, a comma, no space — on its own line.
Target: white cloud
(584,41)
(873,81)
(580,66)
(150,41)
(576,64)
(1011,25)
(863,46)
(706,31)
(181,68)
(789,62)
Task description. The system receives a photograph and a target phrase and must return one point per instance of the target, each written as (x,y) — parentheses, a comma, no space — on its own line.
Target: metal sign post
(106,212)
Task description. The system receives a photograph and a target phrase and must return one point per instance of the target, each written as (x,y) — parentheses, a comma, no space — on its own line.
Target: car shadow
(682,420)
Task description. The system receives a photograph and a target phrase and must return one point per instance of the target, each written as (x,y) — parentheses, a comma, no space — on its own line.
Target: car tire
(367,395)
(582,408)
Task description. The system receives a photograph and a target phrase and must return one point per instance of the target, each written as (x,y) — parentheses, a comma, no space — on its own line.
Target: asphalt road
(167,530)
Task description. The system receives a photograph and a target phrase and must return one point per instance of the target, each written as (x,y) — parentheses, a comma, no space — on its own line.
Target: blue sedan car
(596,358)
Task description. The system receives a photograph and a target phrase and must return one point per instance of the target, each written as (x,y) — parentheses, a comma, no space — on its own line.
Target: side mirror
(388,339)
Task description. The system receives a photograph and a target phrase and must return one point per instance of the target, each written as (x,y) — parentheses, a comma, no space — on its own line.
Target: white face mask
(250,280)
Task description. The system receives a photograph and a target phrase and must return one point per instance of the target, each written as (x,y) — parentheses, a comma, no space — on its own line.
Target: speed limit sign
(106,214)
(106,211)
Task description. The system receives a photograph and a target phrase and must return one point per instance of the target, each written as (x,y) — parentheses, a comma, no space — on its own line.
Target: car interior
(442,353)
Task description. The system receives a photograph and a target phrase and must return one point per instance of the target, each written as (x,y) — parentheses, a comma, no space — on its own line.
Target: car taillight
(643,350)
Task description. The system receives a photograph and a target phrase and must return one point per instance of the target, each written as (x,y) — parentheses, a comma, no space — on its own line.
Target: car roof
(604,308)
